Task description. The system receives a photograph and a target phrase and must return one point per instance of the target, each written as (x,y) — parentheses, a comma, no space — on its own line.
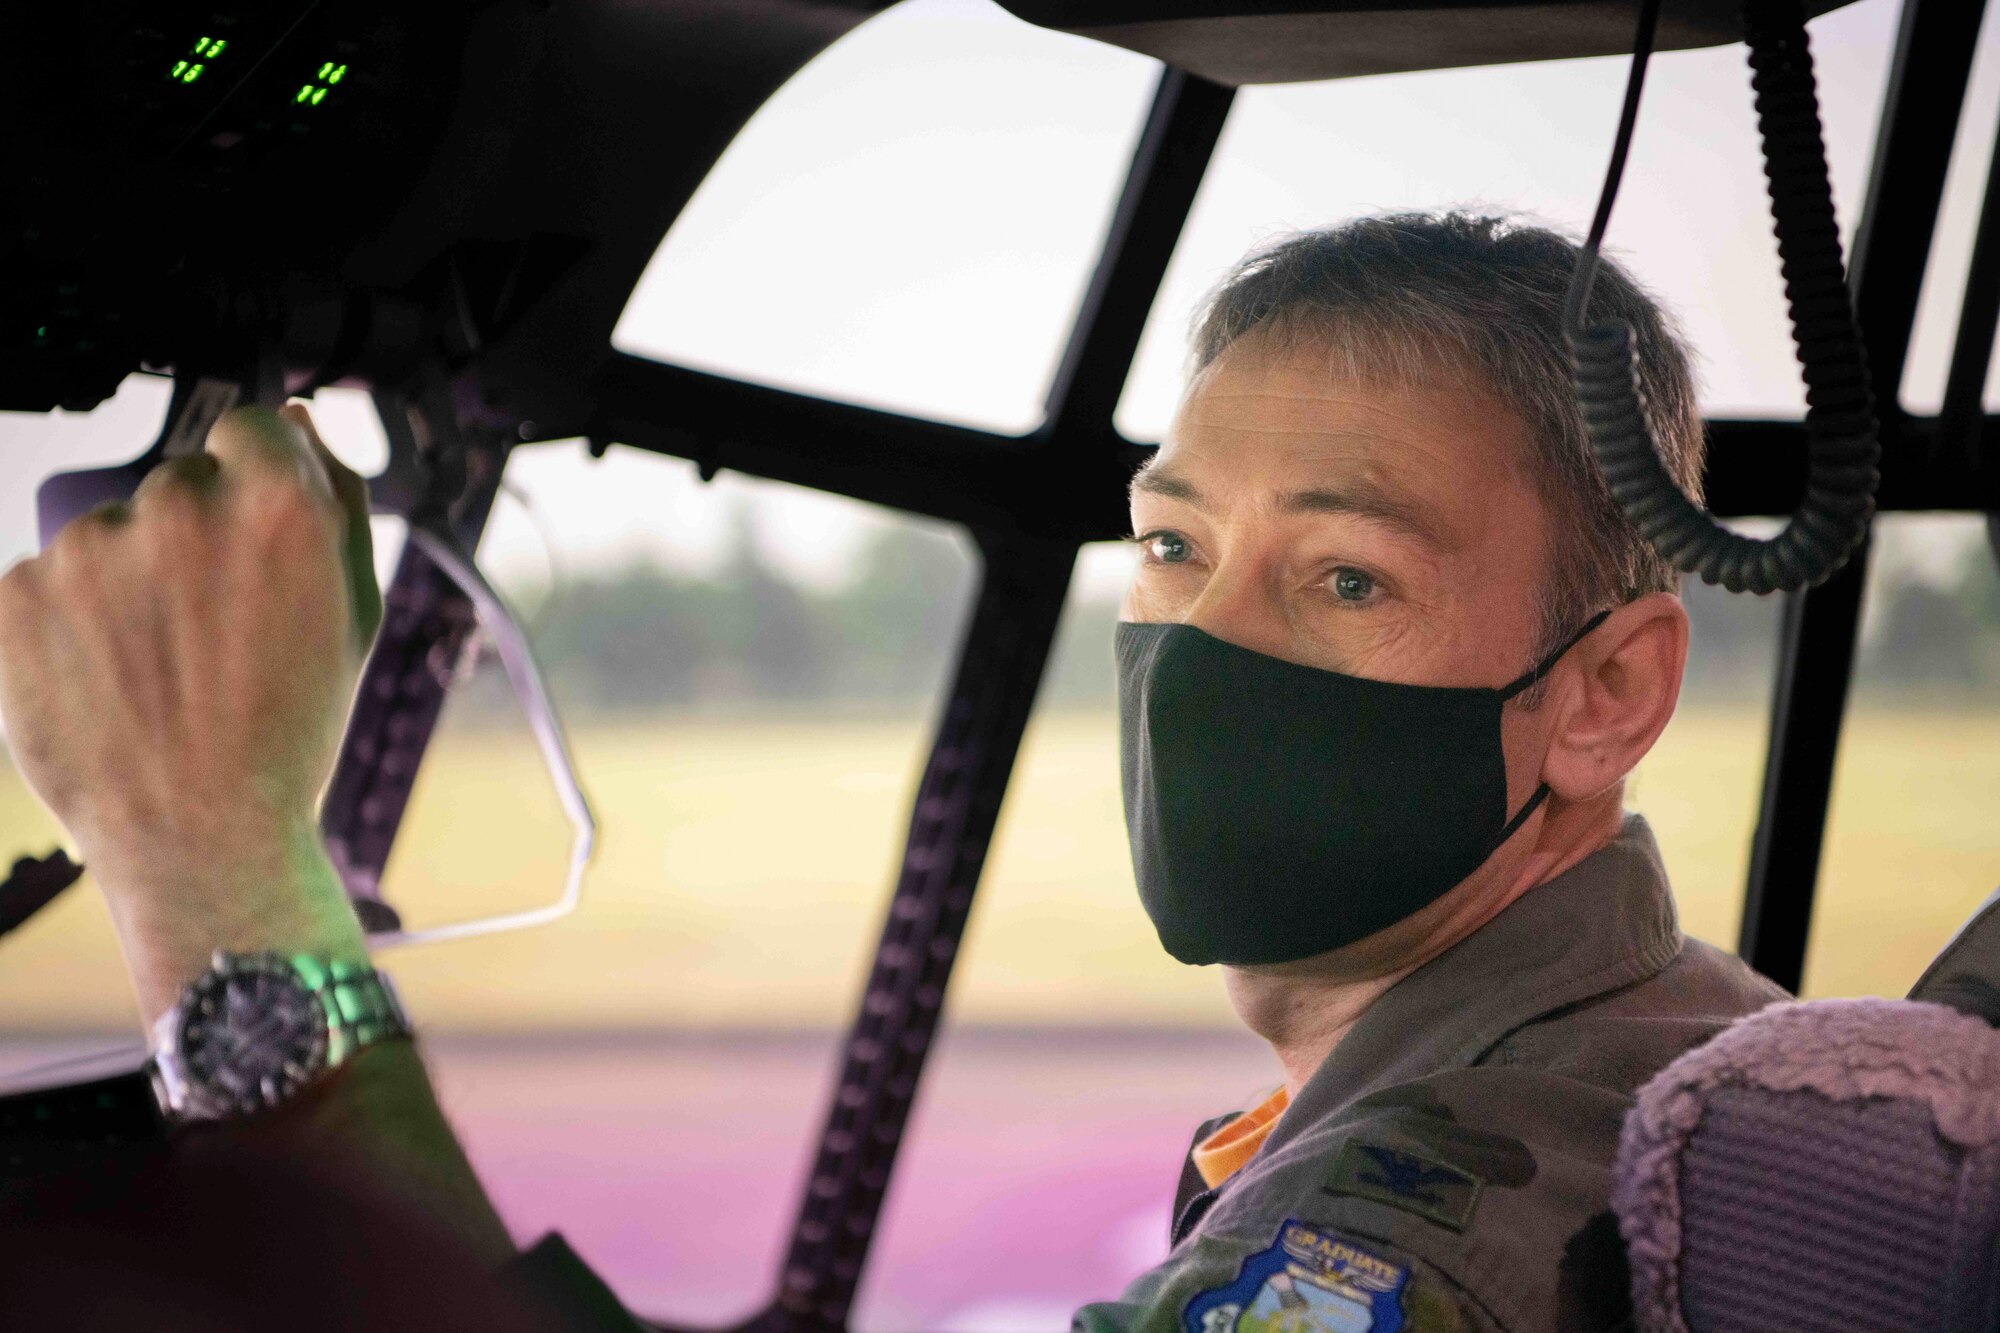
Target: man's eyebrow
(1362,500)
(1158,481)
(1370,502)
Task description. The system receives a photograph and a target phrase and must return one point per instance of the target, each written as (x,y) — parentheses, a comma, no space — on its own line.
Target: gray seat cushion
(1819,1167)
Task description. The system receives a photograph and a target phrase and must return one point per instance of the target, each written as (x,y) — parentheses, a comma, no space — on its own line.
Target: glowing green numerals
(208,48)
(312,94)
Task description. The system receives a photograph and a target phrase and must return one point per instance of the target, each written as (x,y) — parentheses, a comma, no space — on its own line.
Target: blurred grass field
(744,864)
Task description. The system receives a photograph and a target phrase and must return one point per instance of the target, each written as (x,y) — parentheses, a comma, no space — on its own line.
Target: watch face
(252,1035)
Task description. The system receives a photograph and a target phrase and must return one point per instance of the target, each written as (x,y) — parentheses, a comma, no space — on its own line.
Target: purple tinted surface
(1037,1175)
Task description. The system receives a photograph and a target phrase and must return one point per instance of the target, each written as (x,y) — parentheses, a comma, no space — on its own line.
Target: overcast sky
(910,222)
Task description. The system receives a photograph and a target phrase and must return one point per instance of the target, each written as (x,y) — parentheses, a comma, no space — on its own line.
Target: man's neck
(1305,1009)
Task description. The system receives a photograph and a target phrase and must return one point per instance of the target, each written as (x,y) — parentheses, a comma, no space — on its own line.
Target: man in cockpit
(1388,659)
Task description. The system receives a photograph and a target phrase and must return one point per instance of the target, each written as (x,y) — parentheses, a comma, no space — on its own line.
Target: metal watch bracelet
(255,1029)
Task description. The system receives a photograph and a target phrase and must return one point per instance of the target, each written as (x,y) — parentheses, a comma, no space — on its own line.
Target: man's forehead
(1286,399)
(1264,386)
(1286,425)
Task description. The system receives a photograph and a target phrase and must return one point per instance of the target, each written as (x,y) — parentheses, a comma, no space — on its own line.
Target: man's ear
(1626,680)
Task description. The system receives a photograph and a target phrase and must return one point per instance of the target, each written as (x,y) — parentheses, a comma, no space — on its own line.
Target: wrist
(172,912)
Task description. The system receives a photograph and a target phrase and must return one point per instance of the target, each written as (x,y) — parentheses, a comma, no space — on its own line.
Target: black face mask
(1277,811)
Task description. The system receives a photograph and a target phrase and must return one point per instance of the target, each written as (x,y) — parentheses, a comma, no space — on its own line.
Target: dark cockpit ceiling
(477,160)
(486,179)
(1286,41)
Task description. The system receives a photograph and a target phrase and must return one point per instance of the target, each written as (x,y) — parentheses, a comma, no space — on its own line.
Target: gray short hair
(1401,297)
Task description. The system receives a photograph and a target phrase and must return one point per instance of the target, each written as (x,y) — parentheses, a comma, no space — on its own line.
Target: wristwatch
(246,1036)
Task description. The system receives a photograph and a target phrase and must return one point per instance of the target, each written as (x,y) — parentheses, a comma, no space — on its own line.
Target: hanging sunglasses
(502,628)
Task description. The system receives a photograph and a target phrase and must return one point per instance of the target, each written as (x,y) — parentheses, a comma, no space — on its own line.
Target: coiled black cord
(1841,428)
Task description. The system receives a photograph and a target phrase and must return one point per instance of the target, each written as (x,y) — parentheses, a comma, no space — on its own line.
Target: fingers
(84,537)
(254,445)
(176,481)
(274,460)
(20,605)
(351,492)
(173,515)
(347,486)
(110,514)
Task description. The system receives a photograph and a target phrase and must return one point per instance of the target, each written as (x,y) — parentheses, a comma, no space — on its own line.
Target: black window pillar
(1920,113)
(1025,578)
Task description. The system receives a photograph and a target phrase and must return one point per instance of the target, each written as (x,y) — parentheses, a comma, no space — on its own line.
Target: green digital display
(313,92)
(196,62)
(206,50)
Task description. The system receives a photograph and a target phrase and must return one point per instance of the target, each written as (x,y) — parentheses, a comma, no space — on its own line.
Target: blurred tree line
(644,638)
(1938,639)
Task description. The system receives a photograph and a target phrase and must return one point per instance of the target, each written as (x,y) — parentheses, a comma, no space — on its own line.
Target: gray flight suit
(1448,1167)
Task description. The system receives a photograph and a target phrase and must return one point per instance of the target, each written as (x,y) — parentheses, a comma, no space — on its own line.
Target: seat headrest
(1824,1166)
(1966,973)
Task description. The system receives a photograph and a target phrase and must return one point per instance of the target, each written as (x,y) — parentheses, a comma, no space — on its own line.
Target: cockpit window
(749,673)
(909,223)
(1513,137)
(1951,247)
(1910,850)
(40,443)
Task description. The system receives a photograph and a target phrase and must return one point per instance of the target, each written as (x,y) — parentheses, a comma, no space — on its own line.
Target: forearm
(174,673)
(375,1123)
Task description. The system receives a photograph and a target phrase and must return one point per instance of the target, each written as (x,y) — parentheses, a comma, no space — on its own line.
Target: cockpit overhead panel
(1288,41)
(356,186)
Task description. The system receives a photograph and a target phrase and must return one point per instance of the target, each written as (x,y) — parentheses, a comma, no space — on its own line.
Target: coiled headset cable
(1841,427)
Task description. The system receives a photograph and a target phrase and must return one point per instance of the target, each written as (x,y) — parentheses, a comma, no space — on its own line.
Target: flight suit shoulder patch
(1310,1280)
(1400,1178)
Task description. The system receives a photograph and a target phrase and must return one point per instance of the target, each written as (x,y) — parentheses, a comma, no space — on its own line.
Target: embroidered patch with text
(1309,1281)
(1406,1180)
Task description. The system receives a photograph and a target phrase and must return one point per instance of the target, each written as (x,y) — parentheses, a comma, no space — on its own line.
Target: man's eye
(1169,548)
(1351,585)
